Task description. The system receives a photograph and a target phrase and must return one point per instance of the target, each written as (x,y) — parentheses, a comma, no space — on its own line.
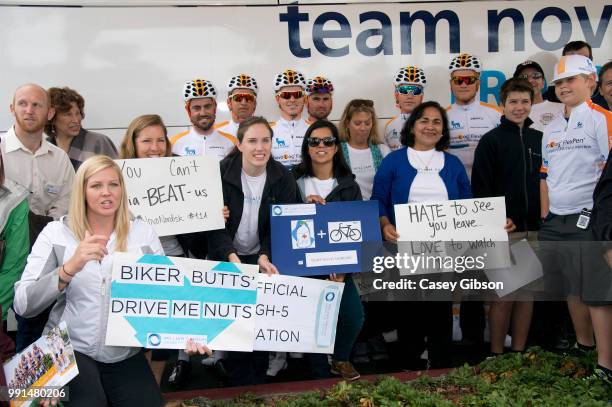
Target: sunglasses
(460,80)
(298,94)
(534,75)
(361,102)
(243,97)
(327,141)
(415,90)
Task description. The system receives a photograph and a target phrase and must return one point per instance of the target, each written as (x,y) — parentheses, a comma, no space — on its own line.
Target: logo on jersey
(456,125)
(579,125)
(280,143)
(190,151)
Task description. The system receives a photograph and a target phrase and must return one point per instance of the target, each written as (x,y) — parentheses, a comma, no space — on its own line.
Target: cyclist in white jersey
(201,138)
(409,83)
(469,118)
(241,101)
(289,129)
(542,111)
(319,101)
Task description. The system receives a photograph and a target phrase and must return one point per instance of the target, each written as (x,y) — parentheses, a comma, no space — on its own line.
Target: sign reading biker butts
(175,195)
(296,314)
(311,239)
(455,227)
(160,302)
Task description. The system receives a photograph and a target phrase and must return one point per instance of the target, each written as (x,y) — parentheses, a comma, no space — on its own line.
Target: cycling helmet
(242,81)
(199,89)
(319,84)
(465,61)
(289,77)
(410,75)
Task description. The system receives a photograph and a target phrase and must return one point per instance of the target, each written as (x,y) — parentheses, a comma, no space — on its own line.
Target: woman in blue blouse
(421,171)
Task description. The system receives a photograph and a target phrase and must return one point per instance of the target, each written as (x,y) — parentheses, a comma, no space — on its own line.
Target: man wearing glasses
(289,129)
(202,138)
(409,83)
(542,111)
(241,101)
(468,117)
(319,102)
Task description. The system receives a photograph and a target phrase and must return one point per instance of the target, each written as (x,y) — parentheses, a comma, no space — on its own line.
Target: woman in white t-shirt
(421,171)
(252,180)
(362,145)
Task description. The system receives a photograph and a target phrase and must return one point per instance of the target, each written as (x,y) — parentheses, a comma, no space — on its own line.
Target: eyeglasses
(243,97)
(361,102)
(298,94)
(316,88)
(460,80)
(416,90)
(534,75)
(327,141)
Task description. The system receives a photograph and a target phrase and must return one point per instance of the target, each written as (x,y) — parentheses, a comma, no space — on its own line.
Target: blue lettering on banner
(343,30)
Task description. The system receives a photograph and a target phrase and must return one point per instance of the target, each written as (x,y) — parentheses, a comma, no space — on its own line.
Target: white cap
(572,65)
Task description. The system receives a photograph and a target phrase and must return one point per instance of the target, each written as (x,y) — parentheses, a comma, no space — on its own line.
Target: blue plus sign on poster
(311,239)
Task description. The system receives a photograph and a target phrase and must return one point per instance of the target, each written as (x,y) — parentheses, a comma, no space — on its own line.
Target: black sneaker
(180,373)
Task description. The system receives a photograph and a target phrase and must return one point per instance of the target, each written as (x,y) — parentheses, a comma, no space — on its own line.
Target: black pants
(29,330)
(126,383)
(433,319)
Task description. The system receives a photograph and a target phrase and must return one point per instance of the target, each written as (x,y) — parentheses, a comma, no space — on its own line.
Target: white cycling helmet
(289,77)
(410,75)
(242,81)
(199,89)
(465,61)
(319,84)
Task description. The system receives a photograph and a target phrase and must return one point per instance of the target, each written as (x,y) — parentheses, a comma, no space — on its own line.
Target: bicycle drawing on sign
(344,232)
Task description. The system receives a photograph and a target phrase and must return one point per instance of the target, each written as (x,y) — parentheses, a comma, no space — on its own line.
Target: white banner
(175,195)
(296,314)
(124,70)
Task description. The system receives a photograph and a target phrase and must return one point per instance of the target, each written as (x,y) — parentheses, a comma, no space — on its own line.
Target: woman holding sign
(252,180)
(323,176)
(421,171)
(71,263)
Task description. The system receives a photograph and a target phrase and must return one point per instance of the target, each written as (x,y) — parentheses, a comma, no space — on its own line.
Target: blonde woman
(361,143)
(71,263)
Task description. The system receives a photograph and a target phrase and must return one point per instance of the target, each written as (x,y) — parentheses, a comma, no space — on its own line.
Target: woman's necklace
(431,156)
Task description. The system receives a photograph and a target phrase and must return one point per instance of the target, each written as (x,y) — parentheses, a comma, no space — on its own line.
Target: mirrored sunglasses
(298,94)
(415,90)
(327,141)
(534,75)
(243,97)
(460,80)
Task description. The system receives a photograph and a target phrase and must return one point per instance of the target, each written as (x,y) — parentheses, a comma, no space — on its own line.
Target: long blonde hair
(358,106)
(77,216)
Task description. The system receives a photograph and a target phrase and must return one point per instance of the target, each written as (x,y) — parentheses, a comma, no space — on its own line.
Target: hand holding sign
(266,266)
(194,348)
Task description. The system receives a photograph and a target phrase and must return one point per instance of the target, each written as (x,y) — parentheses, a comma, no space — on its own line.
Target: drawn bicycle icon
(346,231)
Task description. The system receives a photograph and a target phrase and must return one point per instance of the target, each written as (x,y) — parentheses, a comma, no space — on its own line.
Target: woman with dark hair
(65,130)
(323,176)
(252,180)
(421,172)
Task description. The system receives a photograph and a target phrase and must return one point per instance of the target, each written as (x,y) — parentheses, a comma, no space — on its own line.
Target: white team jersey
(228,127)
(191,143)
(467,124)
(287,141)
(393,130)
(574,153)
(544,113)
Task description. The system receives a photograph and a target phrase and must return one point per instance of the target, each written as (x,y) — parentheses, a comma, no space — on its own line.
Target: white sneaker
(211,360)
(276,362)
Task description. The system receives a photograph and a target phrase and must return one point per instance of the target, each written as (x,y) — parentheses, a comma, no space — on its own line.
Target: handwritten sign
(41,369)
(160,302)
(296,314)
(449,229)
(175,194)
